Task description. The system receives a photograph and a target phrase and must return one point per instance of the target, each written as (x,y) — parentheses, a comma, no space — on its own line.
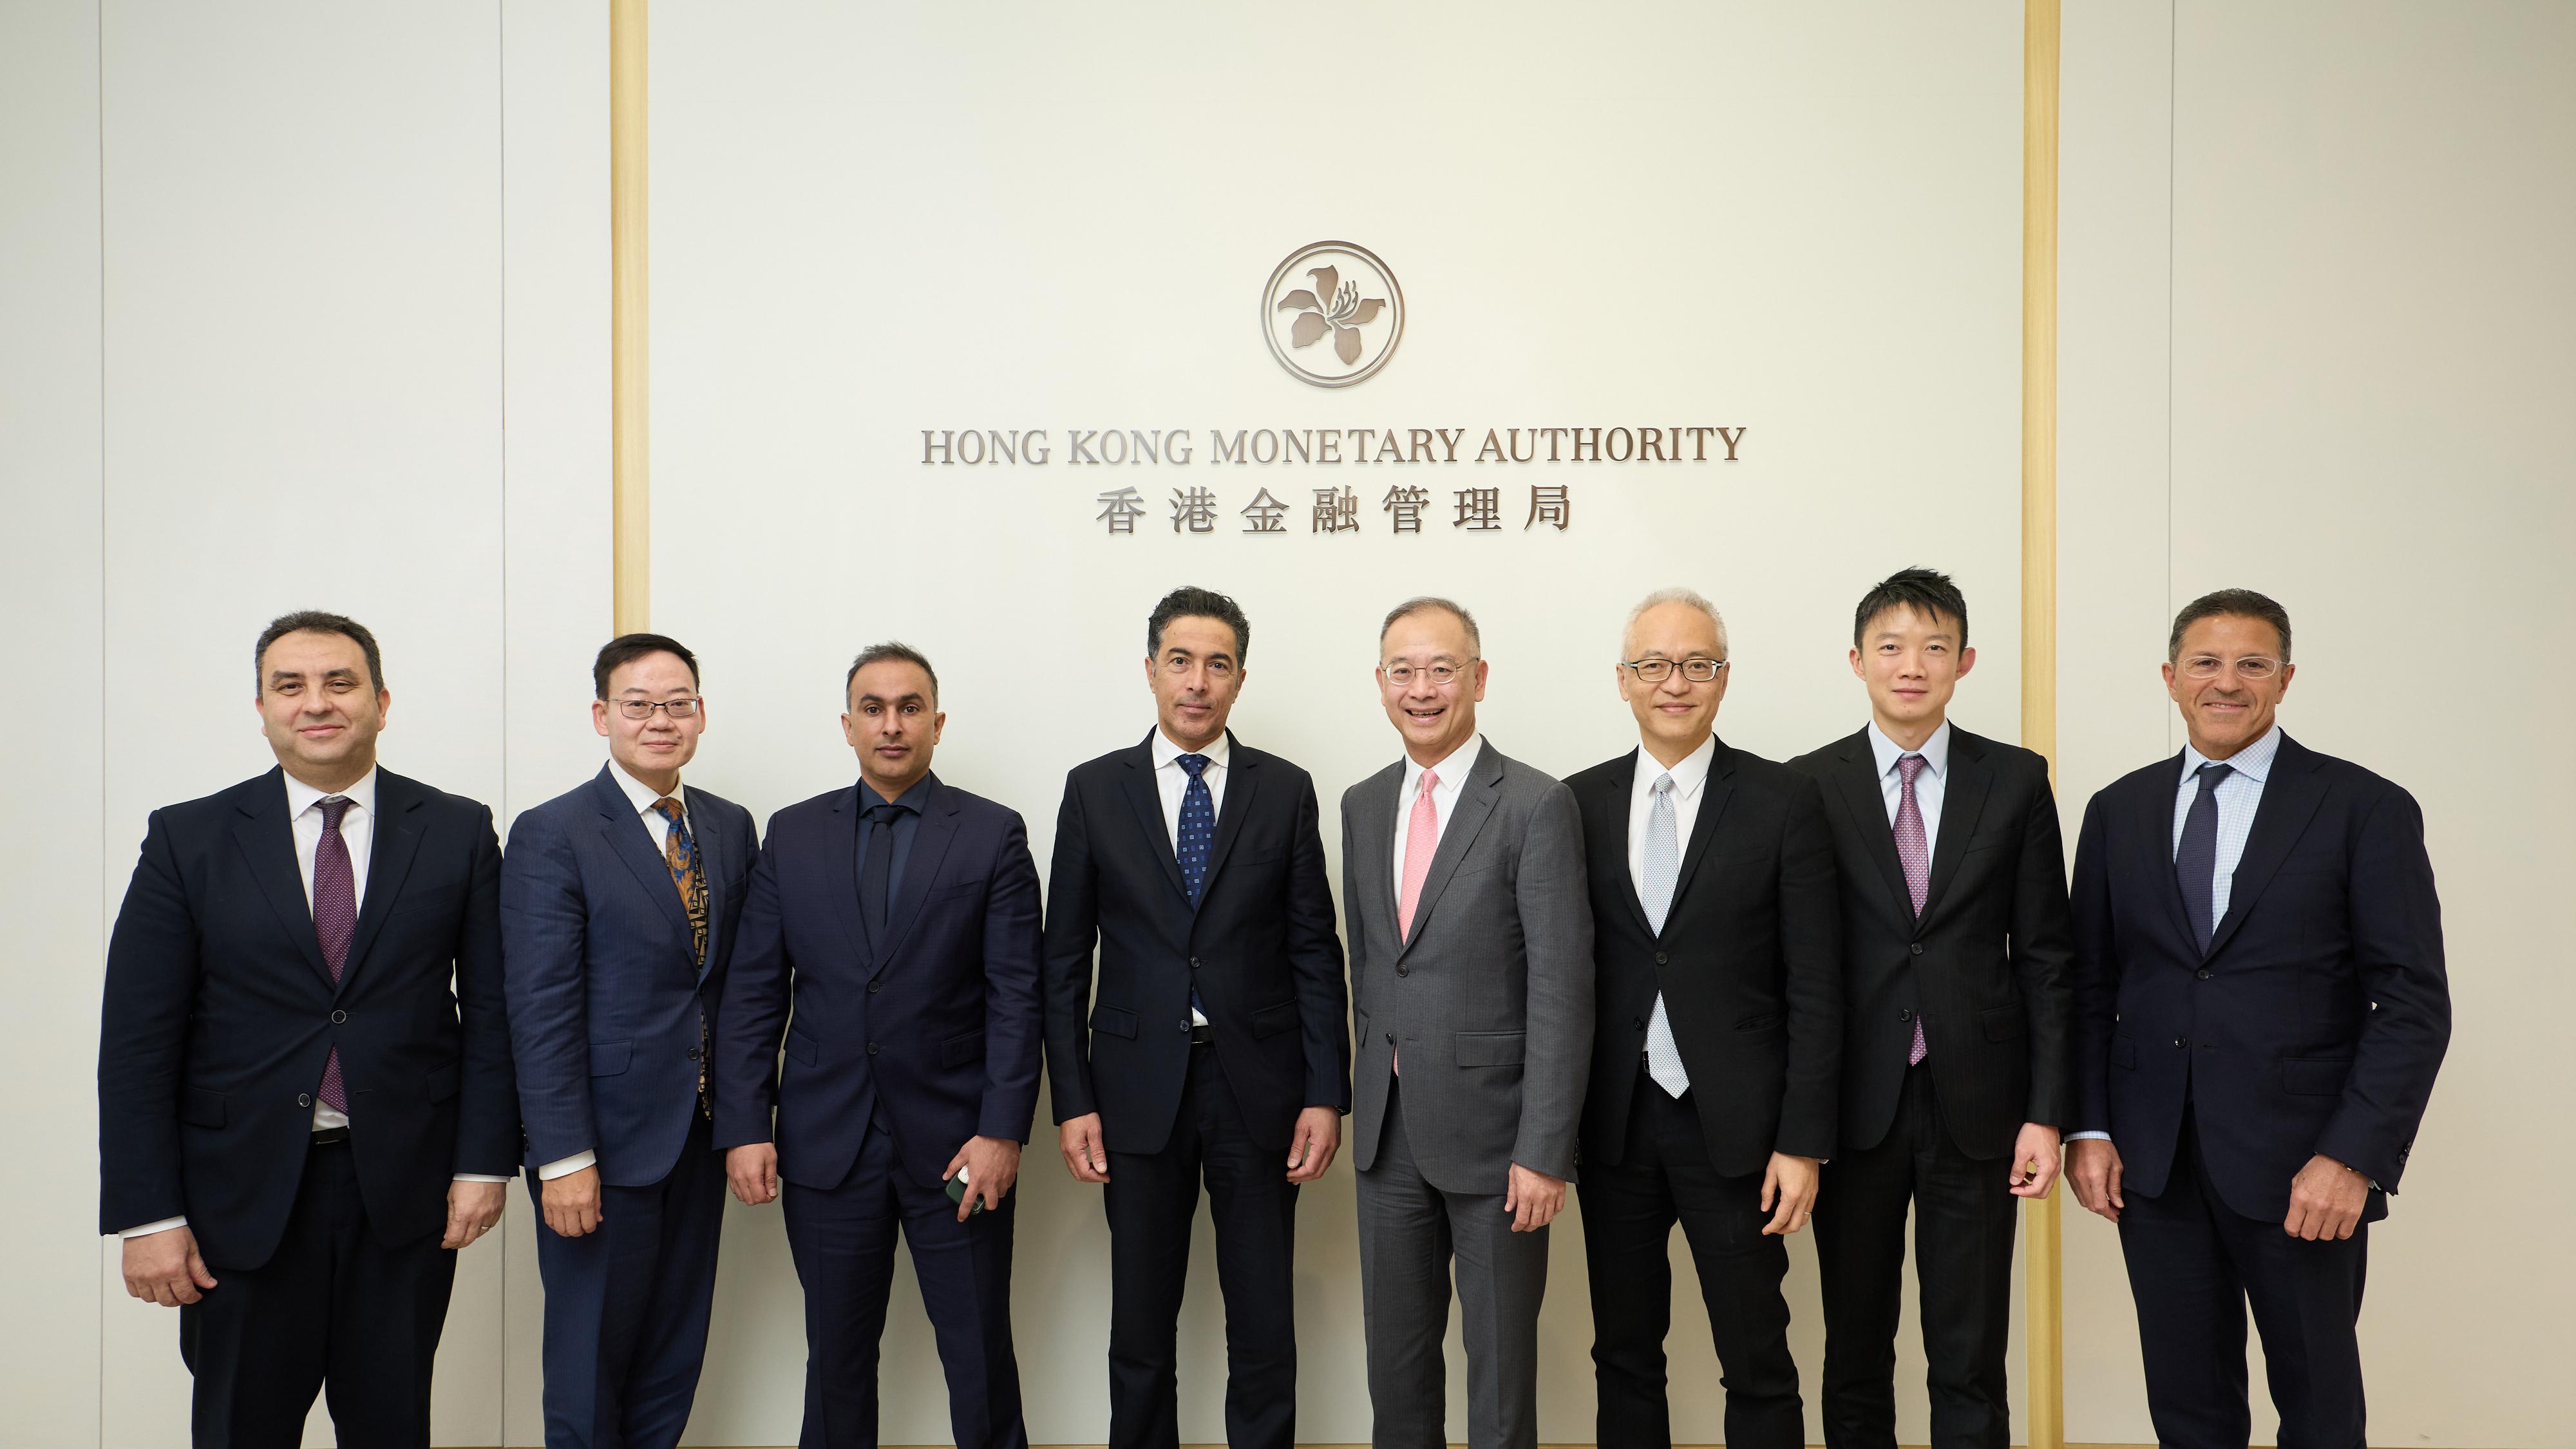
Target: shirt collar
(1688,775)
(1454,770)
(1935,751)
(641,795)
(2253,762)
(301,797)
(1165,752)
(870,796)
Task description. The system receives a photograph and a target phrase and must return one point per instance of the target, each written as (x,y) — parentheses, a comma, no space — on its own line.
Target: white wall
(305,306)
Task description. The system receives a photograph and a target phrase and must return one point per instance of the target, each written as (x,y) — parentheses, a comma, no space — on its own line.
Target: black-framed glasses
(1440,675)
(1698,669)
(643,708)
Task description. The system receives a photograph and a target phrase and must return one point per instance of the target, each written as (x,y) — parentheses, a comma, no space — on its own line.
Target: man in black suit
(1957,1003)
(898,919)
(1716,1036)
(305,1102)
(1215,1048)
(2261,1009)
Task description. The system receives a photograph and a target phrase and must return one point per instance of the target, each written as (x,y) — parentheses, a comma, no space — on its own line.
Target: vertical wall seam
(2173,123)
(99,1420)
(501,213)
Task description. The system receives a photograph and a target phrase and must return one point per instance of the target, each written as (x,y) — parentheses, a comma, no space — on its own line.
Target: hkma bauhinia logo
(1332,313)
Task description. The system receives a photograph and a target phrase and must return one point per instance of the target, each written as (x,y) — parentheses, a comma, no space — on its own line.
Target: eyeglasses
(1698,669)
(2252,667)
(1440,675)
(643,708)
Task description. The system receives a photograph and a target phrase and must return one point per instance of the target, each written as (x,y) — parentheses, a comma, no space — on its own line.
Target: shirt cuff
(148,1229)
(479,1177)
(2088,1136)
(567,1166)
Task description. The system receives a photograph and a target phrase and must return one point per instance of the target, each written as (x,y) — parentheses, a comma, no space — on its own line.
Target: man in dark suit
(1715,1037)
(1471,961)
(304,1094)
(618,904)
(899,919)
(2261,1009)
(1957,1003)
(1214,1049)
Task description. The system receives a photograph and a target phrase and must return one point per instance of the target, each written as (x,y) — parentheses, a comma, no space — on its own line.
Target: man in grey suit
(1471,968)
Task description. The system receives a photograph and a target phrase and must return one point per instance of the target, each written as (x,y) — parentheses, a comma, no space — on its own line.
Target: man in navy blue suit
(2261,1008)
(618,903)
(898,917)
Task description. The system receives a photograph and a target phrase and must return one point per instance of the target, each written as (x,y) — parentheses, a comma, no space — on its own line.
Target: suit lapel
(931,835)
(1963,801)
(1147,802)
(1866,799)
(1375,846)
(1475,803)
(623,829)
(267,841)
(841,870)
(1242,779)
(1617,806)
(2155,817)
(2290,800)
(395,843)
(1715,792)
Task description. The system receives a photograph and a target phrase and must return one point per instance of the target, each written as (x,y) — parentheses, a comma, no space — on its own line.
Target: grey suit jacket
(1491,997)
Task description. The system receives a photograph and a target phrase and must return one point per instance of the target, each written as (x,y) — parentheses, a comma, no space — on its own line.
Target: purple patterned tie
(335,919)
(1915,855)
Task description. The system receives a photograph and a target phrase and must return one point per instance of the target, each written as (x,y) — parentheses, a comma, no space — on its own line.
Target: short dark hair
(1190,602)
(1927,592)
(891,649)
(625,649)
(1413,606)
(315,621)
(2236,603)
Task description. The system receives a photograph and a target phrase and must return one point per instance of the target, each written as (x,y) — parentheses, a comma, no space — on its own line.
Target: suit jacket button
(1194,963)
(304,1100)
(872,1048)
(1916,948)
(1905,1013)
(2181,1042)
(693,1054)
(875,986)
(339,1017)
(1661,958)
(1403,970)
(1390,1038)
(1185,1023)
(2202,973)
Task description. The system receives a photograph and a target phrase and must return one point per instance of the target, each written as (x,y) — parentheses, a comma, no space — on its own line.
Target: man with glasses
(2261,1009)
(1957,1002)
(1471,963)
(1213,1048)
(618,906)
(1717,1030)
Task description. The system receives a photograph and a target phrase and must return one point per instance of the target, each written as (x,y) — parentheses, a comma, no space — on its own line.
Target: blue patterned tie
(1197,834)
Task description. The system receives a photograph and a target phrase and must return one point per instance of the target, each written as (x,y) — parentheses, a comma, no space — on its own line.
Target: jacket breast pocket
(2315,1076)
(1991,839)
(201,1108)
(1491,1048)
(965,1047)
(608,1058)
(2006,1022)
(433,901)
(1768,1021)
(1272,1020)
(1114,1021)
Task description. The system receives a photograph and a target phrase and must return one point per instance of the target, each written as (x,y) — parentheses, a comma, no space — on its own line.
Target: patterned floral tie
(1915,854)
(335,920)
(680,853)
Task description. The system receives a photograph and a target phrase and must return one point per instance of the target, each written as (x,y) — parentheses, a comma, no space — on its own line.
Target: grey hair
(1674,595)
(1424,603)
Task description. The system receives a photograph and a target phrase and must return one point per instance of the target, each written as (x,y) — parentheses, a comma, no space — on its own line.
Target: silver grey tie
(1663,871)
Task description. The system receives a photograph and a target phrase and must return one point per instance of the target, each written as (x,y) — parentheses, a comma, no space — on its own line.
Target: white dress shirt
(1453,773)
(1173,784)
(1688,777)
(358,832)
(1930,782)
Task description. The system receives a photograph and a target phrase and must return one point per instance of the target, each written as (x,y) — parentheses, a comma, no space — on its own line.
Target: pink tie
(1915,854)
(1421,842)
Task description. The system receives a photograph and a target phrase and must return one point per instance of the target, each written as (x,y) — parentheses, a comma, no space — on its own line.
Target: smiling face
(893,724)
(1196,672)
(2227,711)
(654,748)
(1911,661)
(1434,718)
(1676,713)
(320,708)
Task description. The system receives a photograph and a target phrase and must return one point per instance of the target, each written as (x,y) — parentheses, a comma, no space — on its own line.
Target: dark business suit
(906,1040)
(1260,949)
(219,1017)
(1747,966)
(2313,1023)
(611,1010)
(1986,969)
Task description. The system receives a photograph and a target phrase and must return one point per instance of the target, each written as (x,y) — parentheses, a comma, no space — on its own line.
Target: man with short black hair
(890,944)
(1957,1006)
(304,1086)
(2261,1009)
(1214,1048)
(618,905)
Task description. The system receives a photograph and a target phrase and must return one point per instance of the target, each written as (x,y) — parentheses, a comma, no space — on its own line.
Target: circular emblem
(1333,313)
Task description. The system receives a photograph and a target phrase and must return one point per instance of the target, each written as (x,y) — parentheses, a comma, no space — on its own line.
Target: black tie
(876,870)
(2196,860)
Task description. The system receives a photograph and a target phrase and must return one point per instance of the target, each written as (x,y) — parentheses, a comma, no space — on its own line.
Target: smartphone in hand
(957,1191)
